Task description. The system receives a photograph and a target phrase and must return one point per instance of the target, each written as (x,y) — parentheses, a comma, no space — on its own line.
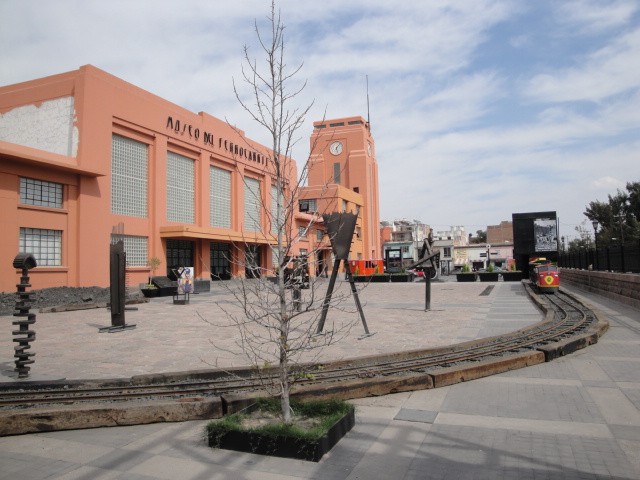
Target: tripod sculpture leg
(327,299)
(354,291)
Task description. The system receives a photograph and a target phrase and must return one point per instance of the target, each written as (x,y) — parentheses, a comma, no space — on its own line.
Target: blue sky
(479,108)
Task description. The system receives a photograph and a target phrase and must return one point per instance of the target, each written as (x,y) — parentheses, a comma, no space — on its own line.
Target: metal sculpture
(340,228)
(24,335)
(428,263)
(117,290)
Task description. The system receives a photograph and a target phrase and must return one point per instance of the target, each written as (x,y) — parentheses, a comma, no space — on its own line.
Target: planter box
(488,276)
(361,278)
(381,277)
(514,276)
(150,292)
(402,277)
(466,277)
(284,446)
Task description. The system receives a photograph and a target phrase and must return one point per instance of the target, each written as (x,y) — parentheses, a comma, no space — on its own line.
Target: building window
(319,235)
(344,205)
(180,188)
(40,193)
(336,173)
(252,204)
(338,124)
(447,251)
(129,167)
(274,210)
(219,198)
(44,245)
(308,205)
(405,249)
(135,248)
(302,232)
(358,232)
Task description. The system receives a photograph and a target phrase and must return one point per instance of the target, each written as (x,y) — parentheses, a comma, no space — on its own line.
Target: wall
(622,287)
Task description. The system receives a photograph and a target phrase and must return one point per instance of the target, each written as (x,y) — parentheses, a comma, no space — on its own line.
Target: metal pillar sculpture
(117,287)
(428,262)
(340,228)
(24,335)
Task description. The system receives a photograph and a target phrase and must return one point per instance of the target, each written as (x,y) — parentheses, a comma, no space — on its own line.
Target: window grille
(44,245)
(136,249)
(180,188)
(252,204)
(129,172)
(336,173)
(40,193)
(220,198)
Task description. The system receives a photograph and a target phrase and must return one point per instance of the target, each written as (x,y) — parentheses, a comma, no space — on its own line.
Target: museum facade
(87,159)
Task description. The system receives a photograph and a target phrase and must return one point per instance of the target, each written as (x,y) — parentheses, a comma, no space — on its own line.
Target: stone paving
(577,417)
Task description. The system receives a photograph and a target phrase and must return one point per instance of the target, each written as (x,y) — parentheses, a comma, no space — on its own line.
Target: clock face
(336,148)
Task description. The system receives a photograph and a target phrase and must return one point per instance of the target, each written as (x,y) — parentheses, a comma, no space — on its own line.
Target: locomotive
(544,275)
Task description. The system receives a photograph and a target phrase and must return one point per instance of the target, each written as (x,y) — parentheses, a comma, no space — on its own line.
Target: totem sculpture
(24,335)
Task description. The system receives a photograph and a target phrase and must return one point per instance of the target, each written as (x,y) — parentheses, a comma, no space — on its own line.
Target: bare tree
(276,321)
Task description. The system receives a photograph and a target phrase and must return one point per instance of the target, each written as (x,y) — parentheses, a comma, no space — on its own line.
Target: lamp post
(594,223)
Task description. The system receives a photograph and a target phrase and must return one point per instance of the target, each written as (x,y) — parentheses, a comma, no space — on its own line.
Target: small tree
(276,326)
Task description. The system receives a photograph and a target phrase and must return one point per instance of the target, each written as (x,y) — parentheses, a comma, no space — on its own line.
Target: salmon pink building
(87,159)
(343,176)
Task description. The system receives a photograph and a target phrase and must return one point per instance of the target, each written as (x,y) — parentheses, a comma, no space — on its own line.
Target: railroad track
(568,326)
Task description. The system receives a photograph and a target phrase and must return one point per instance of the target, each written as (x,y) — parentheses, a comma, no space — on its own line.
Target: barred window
(336,173)
(180,188)
(252,204)
(219,198)
(44,245)
(129,172)
(135,248)
(40,193)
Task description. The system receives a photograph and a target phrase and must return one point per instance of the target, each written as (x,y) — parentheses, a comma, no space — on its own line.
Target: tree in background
(481,237)
(619,217)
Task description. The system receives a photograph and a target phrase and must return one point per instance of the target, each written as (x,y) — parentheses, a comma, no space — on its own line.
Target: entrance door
(179,254)
(253,261)
(220,261)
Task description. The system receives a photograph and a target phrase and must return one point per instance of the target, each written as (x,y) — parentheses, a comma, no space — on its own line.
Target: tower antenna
(368,119)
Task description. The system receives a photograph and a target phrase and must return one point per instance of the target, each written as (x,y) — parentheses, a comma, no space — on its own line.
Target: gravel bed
(57,296)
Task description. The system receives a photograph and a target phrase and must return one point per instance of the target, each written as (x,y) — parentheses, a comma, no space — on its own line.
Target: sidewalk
(576,417)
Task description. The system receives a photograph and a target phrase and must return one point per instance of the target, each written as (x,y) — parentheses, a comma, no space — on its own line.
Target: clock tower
(343,154)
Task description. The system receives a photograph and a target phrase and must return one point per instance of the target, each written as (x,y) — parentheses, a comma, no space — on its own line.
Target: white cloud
(596,15)
(609,71)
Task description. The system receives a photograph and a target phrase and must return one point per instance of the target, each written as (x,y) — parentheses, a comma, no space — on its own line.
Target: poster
(185,281)
(545,233)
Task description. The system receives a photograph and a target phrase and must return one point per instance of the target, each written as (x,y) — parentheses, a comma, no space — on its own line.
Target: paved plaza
(577,417)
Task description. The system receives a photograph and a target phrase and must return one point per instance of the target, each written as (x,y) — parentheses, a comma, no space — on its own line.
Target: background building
(500,234)
(87,158)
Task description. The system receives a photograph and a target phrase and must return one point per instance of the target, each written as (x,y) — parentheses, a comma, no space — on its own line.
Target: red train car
(544,275)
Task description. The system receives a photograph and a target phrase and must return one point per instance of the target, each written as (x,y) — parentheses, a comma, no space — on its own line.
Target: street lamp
(594,224)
